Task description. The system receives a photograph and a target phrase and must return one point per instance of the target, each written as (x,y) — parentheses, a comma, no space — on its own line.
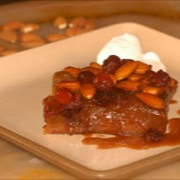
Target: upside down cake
(122,97)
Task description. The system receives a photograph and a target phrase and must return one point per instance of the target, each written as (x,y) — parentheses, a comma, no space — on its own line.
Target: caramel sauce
(171,138)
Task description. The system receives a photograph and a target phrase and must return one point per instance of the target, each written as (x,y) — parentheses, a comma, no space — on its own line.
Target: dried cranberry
(86,77)
(103,82)
(119,97)
(149,77)
(159,78)
(111,64)
(76,103)
(51,106)
(64,96)
(102,98)
(61,76)
(162,79)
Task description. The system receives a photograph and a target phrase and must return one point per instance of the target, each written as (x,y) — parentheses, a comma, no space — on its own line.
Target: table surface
(19,164)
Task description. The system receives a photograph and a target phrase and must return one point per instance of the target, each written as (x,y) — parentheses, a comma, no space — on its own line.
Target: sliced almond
(126,70)
(72,85)
(135,77)
(78,22)
(30,37)
(151,100)
(30,27)
(9,35)
(71,31)
(173,83)
(92,69)
(113,78)
(152,90)
(142,68)
(90,24)
(60,22)
(74,71)
(13,25)
(128,85)
(95,65)
(88,91)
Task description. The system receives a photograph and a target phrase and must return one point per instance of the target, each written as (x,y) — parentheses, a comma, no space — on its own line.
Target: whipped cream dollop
(128,46)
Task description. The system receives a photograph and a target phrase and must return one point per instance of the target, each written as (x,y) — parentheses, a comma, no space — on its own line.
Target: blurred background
(45,16)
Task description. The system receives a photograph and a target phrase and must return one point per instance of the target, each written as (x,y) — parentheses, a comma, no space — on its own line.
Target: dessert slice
(122,97)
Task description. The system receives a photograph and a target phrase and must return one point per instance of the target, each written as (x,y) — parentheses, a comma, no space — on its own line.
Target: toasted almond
(55,37)
(152,90)
(125,70)
(142,68)
(96,65)
(92,69)
(135,77)
(30,37)
(90,24)
(74,71)
(113,78)
(60,22)
(78,22)
(61,76)
(88,91)
(71,32)
(13,25)
(128,85)
(30,27)
(151,100)
(72,85)
(9,36)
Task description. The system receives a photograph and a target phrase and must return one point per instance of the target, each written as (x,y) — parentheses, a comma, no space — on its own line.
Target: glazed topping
(74,84)
(111,64)
(86,77)
(64,96)
(103,82)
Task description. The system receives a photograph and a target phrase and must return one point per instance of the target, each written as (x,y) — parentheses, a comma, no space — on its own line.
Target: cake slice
(121,97)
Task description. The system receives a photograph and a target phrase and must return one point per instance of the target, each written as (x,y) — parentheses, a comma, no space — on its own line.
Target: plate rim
(82,171)
(125,171)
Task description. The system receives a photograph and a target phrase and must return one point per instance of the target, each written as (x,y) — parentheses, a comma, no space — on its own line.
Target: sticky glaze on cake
(122,97)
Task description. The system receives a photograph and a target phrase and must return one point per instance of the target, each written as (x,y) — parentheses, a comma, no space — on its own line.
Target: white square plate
(26,80)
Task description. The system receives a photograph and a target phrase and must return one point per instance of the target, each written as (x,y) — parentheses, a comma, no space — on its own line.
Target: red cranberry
(149,77)
(64,96)
(111,64)
(162,79)
(51,106)
(75,104)
(103,82)
(86,77)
